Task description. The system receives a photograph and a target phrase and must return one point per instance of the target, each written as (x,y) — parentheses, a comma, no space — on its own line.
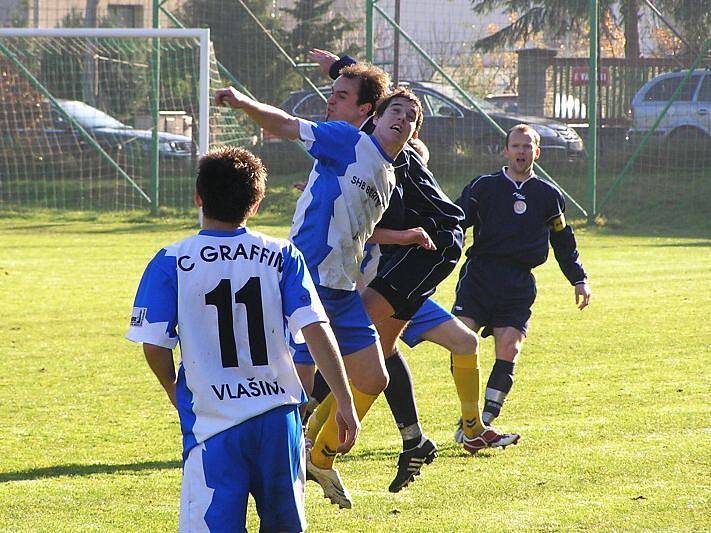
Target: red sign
(580,76)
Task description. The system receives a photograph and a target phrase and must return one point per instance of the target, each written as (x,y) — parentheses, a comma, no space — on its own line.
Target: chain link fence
(474,63)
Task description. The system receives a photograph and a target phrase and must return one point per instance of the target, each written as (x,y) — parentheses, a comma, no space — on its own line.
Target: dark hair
(374,82)
(524,128)
(405,94)
(230,181)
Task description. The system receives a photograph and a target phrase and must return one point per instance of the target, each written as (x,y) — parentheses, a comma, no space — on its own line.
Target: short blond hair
(524,128)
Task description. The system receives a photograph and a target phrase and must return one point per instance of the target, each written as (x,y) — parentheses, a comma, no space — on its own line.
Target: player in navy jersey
(514,215)
(228,295)
(347,192)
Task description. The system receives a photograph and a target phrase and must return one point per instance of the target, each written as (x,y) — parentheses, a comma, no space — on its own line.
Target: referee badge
(519,207)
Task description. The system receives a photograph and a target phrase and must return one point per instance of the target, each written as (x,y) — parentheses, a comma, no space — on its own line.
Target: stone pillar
(532,65)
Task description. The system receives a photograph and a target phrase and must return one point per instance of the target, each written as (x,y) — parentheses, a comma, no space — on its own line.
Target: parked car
(687,122)
(112,134)
(452,127)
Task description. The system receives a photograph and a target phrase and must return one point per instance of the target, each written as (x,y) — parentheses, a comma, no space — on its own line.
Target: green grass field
(613,403)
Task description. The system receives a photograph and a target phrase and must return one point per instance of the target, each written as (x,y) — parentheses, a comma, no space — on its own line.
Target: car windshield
(452,94)
(89,117)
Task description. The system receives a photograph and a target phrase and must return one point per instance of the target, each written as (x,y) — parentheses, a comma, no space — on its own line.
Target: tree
(317,27)
(691,18)
(557,18)
(241,45)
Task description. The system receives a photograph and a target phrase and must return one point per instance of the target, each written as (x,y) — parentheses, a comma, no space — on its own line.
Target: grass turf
(612,402)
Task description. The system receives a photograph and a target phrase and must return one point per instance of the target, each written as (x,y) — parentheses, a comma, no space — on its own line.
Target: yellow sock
(465,370)
(318,417)
(323,454)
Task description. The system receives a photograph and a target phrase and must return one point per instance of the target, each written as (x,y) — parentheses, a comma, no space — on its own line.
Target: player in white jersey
(230,297)
(347,192)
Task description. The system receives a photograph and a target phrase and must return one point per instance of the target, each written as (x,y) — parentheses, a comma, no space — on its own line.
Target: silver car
(687,123)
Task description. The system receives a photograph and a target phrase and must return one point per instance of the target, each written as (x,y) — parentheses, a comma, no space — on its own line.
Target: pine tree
(317,26)
(557,19)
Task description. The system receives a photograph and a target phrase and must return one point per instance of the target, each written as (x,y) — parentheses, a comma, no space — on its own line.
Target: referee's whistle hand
(582,295)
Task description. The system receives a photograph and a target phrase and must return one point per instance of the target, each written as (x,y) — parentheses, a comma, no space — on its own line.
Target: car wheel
(688,145)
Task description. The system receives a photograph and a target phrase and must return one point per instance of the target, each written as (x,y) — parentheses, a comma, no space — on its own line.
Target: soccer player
(404,271)
(347,193)
(227,295)
(514,215)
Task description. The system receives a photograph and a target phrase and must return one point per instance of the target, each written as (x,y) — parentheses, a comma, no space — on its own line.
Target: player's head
(397,118)
(355,93)
(421,149)
(522,148)
(402,97)
(230,184)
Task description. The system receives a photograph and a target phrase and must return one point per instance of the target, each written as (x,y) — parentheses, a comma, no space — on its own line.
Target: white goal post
(202,35)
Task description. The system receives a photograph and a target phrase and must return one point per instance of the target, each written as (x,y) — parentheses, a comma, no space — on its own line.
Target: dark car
(453,130)
(111,134)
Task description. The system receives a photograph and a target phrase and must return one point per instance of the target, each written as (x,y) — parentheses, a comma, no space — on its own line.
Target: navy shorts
(348,319)
(409,275)
(495,294)
(263,456)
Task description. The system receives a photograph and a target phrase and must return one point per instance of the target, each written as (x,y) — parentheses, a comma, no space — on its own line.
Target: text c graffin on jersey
(224,252)
(370,191)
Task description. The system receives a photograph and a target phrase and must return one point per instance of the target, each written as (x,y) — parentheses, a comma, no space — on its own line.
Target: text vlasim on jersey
(252,388)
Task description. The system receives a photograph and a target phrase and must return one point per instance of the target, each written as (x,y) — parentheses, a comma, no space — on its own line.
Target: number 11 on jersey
(250,295)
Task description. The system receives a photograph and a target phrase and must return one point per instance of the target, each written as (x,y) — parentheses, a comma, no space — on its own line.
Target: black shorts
(495,294)
(409,275)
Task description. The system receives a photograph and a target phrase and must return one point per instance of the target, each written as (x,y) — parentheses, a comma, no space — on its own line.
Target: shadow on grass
(697,244)
(86,470)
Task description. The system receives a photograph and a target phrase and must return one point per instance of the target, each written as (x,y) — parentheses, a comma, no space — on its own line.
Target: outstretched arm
(324,58)
(329,63)
(271,118)
(324,349)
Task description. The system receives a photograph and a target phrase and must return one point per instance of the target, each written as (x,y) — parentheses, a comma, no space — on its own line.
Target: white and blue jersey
(228,298)
(346,195)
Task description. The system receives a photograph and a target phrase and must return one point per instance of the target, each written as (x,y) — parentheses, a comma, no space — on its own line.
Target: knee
(464,341)
(509,351)
(374,383)
(380,381)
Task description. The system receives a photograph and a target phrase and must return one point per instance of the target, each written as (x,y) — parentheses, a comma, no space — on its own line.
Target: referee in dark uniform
(514,215)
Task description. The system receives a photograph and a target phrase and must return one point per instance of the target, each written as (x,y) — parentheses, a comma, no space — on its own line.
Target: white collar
(517,184)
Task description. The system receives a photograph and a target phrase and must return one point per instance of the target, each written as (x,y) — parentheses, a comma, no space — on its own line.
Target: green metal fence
(260,47)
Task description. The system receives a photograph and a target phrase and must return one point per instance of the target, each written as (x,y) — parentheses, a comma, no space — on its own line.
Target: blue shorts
(428,316)
(495,294)
(409,275)
(262,456)
(349,320)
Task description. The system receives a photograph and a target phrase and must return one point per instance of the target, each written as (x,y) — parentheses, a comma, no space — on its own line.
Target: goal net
(78,111)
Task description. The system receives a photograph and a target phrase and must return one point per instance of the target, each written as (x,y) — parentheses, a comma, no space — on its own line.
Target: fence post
(155,110)
(369,5)
(592,112)
(532,83)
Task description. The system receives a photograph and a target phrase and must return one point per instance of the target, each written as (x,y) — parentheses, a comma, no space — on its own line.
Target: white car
(686,124)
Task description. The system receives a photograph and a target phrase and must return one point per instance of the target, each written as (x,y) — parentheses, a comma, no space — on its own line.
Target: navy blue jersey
(418,200)
(512,221)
